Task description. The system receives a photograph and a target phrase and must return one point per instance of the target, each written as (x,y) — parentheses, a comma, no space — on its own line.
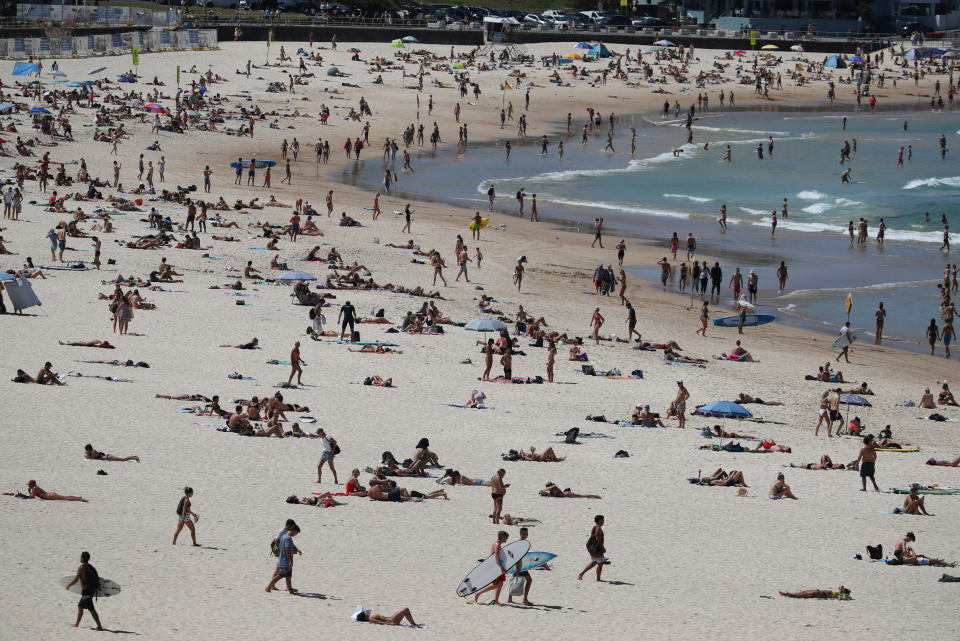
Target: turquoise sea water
(655,192)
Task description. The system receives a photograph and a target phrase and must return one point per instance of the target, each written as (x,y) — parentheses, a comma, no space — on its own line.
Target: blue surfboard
(532,560)
(259,164)
(751,320)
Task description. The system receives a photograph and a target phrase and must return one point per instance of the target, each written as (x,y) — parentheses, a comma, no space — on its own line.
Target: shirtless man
(740,352)
(46,375)
(94,455)
(497,490)
(866,462)
(295,362)
(913,503)
(680,403)
(906,554)
(250,271)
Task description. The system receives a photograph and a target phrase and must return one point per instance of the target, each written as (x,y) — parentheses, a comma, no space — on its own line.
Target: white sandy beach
(688,562)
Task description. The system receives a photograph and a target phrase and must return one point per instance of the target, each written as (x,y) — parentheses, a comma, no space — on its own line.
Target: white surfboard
(845,340)
(107,587)
(488,570)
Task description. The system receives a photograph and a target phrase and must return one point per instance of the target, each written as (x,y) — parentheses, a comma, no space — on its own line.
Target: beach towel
(731,357)
(675,364)
(274,361)
(470,407)
(112,379)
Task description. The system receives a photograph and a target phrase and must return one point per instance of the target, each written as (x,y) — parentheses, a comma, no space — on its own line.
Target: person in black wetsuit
(346,317)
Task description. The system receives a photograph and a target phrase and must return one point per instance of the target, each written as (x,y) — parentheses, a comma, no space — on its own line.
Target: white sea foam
(951,181)
(818,208)
(811,194)
(743,131)
(622,207)
(818,292)
(696,199)
(755,212)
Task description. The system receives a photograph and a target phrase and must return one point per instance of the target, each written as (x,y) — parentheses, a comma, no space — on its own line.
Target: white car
(593,15)
(556,14)
(534,19)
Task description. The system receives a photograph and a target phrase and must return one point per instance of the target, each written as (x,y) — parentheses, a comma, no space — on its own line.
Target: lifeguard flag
(506,85)
(849,302)
(136,56)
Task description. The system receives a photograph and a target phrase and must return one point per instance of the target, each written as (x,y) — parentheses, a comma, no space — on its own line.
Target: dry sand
(688,562)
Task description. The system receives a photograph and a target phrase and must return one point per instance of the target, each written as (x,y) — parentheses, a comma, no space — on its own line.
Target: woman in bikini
(94,455)
(36,492)
(704,317)
(555,492)
(456,478)
(548,456)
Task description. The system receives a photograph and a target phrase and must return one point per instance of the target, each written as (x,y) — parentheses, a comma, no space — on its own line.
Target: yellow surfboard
(483,223)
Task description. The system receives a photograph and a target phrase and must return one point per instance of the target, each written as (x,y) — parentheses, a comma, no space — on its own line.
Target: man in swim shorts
(867,463)
(89,584)
(497,490)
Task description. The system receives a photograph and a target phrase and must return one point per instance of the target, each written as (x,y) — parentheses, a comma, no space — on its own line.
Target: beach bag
(937,417)
(594,547)
(875,553)
(570,436)
(517,584)
(312,313)
(275,548)
(588,370)
(180,506)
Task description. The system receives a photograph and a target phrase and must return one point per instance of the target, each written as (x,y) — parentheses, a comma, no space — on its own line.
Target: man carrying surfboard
(498,582)
(90,581)
(522,575)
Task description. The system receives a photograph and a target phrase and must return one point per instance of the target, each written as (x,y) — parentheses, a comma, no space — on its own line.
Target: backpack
(875,553)
(588,370)
(180,506)
(92,577)
(312,313)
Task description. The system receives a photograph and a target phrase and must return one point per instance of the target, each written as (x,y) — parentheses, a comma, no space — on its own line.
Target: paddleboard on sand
(488,570)
(259,164)
(897,449)
(483,223)
(751,320)
(532,560)
(845,340)
(906,490)
(107,587)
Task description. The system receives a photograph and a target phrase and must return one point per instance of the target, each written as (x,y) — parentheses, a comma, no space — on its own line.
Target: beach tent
(835,61)
(295,274)
(458,65)
(25,68)
(797,47)
(397,43)
(600,51)
(333,71)
(855,59)
(126,79)
(583,45)
(770,47)
(485,324)
(409,39)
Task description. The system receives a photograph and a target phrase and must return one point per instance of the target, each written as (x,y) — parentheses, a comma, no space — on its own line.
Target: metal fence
(109,43)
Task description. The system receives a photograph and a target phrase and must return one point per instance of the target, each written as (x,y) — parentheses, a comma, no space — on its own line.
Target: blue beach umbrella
(664,43)
(59,81)
(96,69)
(856,59)
(6,276)
(726,409)
(38,110)
(296,274)
(583,45)
(56,73)
(409,39)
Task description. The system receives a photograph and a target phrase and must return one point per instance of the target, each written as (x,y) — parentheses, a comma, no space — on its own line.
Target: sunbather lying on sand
(36,492)
(555,492)
(184,397)
(548,456)
(253,344)
(670,355)
(825,464)
(96,343)
(321,500)
(94,455)
(745,399)
(733,477)
(954,463)
(456,478)
(718,431)
(127,363)
(840,593)
(378,381)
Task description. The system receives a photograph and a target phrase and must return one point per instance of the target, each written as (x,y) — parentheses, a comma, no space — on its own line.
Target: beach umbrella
(6,106)
(59,81)
(583,45)
(797,47)
(56,73)
(75,84)
(97,69)
(295,274)
(852,399)
(770,47)
(950,54)
(409,39)
(353,50)
(739,52)
(485,324)
(6,276)
(855,59)
(154,108)
(38,110)
(726,409)
(664,43)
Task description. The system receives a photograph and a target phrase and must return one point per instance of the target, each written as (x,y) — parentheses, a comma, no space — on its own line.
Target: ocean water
(654,192)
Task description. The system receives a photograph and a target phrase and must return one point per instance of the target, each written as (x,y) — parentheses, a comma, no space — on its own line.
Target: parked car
(537,21)
(593,15)
(614,21)
(577,21)
(908,30)
(649,23)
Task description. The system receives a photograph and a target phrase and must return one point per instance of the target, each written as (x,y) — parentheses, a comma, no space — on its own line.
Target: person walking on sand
(295,369)
(631,321)
(406,214)
(285,560)
(525,575)
(89,584)
(704,317)
(497,584)
(597,232)
(329,452)
(867,461)
(595,548)
(845,350)
(596,321)
(186,516)
(497,490)
(518,274)
(680,403)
